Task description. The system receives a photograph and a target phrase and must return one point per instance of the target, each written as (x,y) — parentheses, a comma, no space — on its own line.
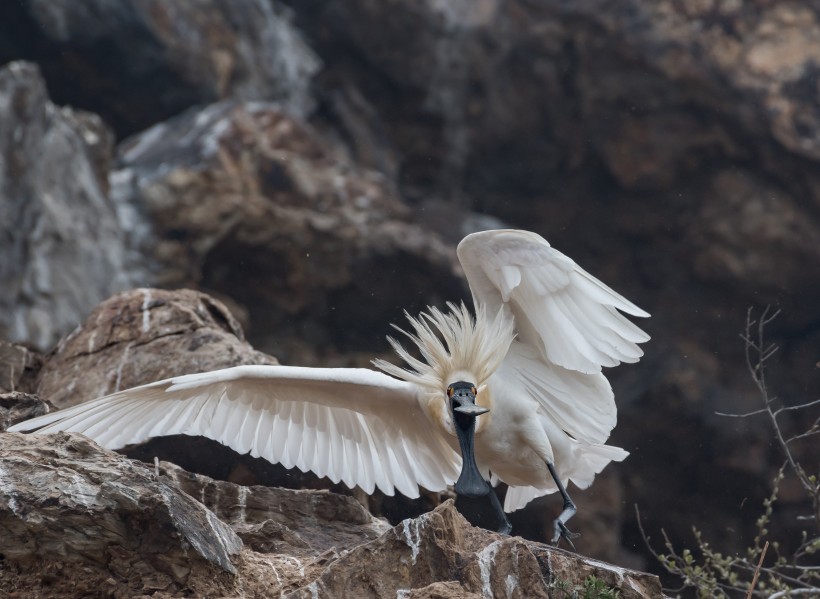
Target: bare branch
(809,433)
(801,406)
(757,571)
(746,415)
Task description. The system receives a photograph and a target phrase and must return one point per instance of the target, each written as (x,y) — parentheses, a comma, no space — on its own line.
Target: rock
(76,519)
(273,520)
(250,202)
(19,367)
(137,63)
(753,234)
(142,336)
(441,547)
(63,497)
(54,212)
(600,80)
(16,406)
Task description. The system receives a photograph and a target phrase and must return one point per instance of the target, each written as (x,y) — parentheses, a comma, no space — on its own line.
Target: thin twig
(757,571)
(801,406)
(746,415)
(757,369)
(804,435)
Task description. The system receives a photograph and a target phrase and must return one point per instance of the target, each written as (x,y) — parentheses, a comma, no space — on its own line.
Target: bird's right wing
(353,425)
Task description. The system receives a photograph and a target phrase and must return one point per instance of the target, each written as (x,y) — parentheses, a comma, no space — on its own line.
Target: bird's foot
(562,532)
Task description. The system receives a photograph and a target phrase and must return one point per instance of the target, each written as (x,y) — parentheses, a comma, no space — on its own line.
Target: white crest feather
(452,343)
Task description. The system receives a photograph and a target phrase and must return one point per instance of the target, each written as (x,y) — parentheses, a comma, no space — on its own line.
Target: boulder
(142,336)
(441,547)
(16,406)
(300,523)
(64,498)
(19,367)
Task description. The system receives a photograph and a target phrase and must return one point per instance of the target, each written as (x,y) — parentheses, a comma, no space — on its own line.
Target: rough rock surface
(300,523)
(75,517)
(246,200)
(16,406)
(441,546)
(142,336)
(136,62)
(55,215)
(19,367)
(62,497)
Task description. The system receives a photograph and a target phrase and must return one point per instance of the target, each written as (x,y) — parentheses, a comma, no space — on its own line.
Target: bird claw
(562,532)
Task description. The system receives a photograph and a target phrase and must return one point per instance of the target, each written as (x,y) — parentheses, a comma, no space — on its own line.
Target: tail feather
(590,459)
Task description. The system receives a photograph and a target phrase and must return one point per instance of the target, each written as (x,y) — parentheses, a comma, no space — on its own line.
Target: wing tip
(637,312)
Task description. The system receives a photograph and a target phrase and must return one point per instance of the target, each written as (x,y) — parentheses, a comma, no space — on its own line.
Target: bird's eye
(449,391)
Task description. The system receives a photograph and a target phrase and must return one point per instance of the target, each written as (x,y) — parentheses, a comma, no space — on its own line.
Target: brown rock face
(301,523)
(65,498)
(419,555)
(19,367)
(76,519)
(16,407)
(247,200)
(143,336)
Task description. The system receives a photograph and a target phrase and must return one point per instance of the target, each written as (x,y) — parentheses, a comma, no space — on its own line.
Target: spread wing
(353,425)
(569,325)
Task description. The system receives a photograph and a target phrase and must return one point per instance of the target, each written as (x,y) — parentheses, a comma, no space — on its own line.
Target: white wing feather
(357,426)
(569,316)
(568,326)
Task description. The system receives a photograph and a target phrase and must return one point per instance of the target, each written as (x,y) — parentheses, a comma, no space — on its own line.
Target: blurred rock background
(312,165)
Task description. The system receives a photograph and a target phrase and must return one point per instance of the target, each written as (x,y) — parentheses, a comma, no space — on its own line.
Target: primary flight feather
(513,392)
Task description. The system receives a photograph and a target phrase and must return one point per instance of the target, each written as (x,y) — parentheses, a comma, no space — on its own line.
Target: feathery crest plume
(451,343)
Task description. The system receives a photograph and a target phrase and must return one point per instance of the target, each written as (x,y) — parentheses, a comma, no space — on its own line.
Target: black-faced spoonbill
(512,393)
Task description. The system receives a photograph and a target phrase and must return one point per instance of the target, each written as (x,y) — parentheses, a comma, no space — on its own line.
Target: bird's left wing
(568,325)
(353,425)
(571,318)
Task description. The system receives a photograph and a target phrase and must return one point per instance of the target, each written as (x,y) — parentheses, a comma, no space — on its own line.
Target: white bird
(516,390)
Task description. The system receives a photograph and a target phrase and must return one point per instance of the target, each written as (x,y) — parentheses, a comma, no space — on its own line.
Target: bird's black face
(462,405)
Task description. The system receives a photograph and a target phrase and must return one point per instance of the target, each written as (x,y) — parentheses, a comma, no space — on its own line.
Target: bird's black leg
(504,526)
(560,525)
